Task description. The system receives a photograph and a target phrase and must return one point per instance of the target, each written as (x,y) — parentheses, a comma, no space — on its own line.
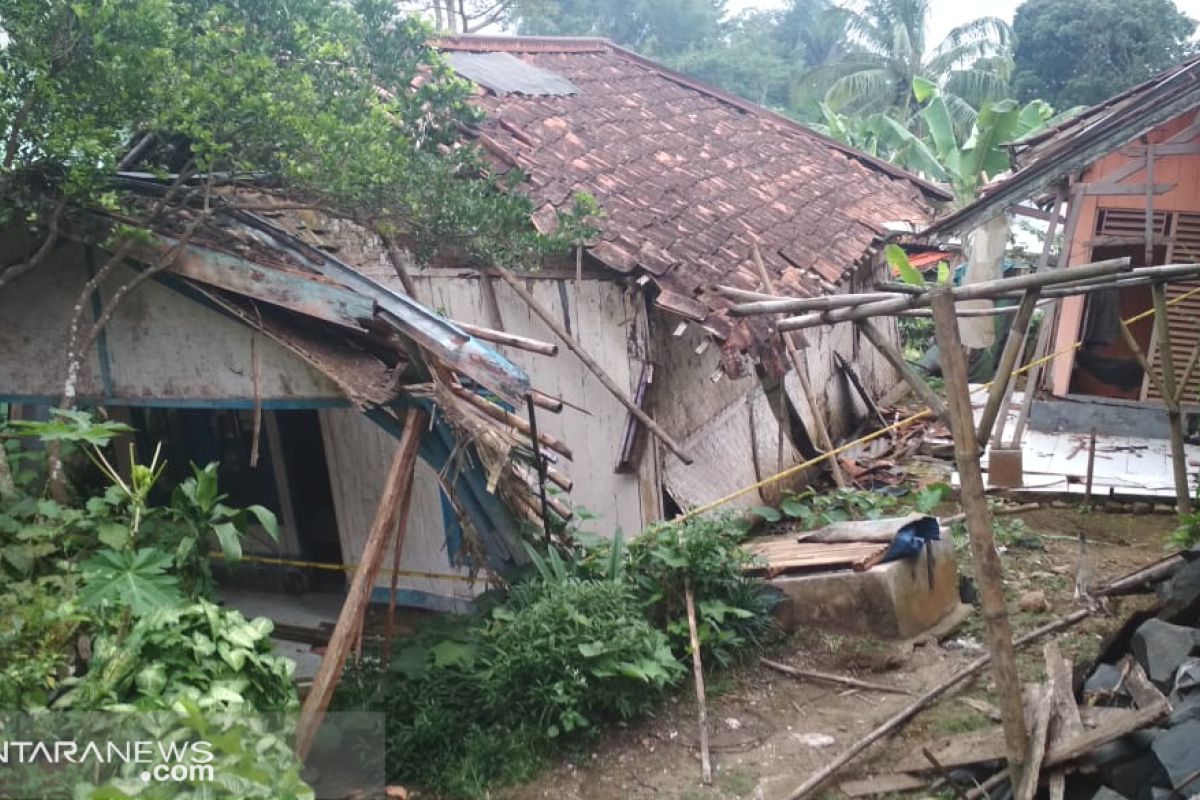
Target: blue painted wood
(286,288)
(440,336)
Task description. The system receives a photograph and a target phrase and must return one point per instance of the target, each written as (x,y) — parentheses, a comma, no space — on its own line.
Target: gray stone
(1161,647)
(1187,710)
(1178,750)
(1127,764)
(1105,793)
(1180,592)
(1104,678)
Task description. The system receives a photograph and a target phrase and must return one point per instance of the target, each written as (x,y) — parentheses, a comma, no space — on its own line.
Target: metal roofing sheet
(504,73)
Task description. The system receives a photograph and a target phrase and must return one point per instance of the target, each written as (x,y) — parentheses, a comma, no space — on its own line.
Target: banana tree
(968,164)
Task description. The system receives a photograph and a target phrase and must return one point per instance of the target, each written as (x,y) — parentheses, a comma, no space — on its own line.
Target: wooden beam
(1162,150)
(1114,728)
(391,509)
(1003,382)
(1120,189)
(1162,329)
(894,357)
(988,572)
(589,362)
(824,440)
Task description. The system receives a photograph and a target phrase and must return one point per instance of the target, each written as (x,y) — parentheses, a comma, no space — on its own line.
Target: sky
(948,14)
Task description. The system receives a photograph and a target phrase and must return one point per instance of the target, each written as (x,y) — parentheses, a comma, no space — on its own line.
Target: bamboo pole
(698,674)
(510,419)
(396,487)
(1002,384)
(1162,325)
(509,339)
(975,291)
(894,357)
(810,397)
(988,572)
(394,581)
(539,463)
(553,324)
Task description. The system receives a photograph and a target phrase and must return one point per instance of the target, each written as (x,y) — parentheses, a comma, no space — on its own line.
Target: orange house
(1121,179)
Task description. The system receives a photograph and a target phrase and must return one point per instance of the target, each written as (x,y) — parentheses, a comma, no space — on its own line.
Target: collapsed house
(1116,181)
(308,321)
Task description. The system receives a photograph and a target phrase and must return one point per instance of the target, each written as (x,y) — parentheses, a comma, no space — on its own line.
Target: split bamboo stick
(509,339)
(510,419)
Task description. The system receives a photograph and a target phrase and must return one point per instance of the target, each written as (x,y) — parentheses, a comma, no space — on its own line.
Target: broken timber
(391,506)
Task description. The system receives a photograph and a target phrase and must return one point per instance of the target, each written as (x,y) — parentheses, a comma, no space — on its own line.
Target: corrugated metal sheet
(504,73)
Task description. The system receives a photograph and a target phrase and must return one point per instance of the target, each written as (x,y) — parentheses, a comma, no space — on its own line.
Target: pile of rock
(1161,665)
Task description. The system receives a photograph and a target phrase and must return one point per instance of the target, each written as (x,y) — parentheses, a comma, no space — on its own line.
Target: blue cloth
(912,537)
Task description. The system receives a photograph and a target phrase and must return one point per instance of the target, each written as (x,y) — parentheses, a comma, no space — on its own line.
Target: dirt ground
(770,731)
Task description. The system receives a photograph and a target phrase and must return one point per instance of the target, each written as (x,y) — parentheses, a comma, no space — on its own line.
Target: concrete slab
(890,601)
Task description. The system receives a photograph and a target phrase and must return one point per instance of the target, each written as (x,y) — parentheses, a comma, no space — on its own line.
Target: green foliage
(655,27)
(136,579)
(593,634)
(347,104)
(1188,532)
(39,623)
(1081,52)
(204,652)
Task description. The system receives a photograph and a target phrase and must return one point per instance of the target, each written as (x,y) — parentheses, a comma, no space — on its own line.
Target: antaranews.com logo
(162,762)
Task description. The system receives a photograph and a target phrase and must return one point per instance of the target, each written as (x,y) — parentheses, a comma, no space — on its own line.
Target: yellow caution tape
(403,573)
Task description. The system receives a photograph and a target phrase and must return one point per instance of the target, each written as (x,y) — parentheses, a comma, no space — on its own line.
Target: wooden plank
(387,515)
(1119,189)
(958,750)
(883,784)
(1034,756)
(1109,730)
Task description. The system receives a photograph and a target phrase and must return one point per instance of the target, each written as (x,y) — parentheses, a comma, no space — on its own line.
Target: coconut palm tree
(971,66)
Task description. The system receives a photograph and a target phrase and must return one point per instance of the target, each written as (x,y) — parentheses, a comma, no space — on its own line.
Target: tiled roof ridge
(594,44)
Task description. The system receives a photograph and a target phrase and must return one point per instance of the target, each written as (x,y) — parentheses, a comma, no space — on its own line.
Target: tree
(889,51)
(1080,52)
(657,27)
(343,105)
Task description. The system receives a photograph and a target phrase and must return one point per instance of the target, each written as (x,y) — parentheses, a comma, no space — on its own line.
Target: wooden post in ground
(810,397)
(616,391)
(396,487)
(1162,330)
(988,572)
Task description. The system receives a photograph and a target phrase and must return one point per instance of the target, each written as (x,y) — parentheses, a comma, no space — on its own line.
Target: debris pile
(1126,728)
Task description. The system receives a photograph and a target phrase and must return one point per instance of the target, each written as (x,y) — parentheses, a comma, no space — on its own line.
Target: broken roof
(689,177)
(1046,157)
